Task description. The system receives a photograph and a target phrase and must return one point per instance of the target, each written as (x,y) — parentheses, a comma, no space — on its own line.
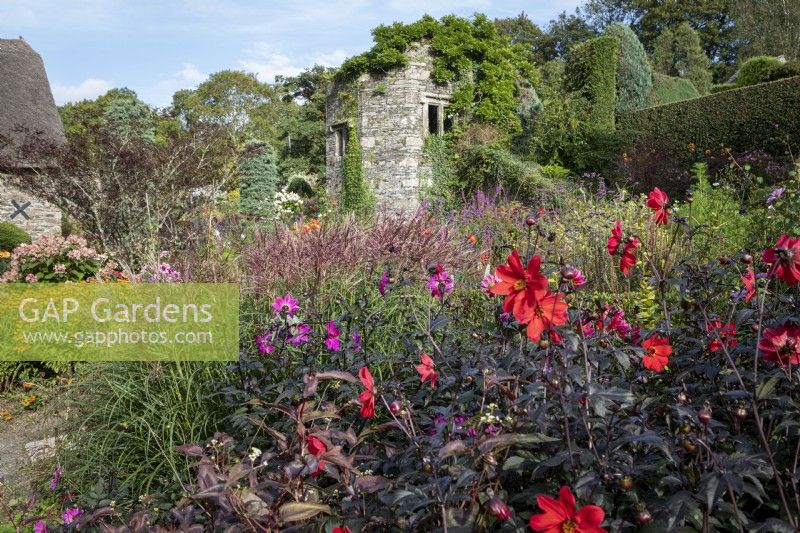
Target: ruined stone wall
(390,113)
(42,217)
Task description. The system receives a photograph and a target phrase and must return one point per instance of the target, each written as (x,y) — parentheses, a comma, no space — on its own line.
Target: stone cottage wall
(391,117)
(43,217)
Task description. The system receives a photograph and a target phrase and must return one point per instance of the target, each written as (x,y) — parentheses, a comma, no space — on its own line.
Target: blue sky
(157,47)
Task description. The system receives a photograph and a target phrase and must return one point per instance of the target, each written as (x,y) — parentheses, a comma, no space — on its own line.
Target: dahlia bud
(704,415)
(530,221)
(747,259)
(499,509)
(568,273)
(395,407)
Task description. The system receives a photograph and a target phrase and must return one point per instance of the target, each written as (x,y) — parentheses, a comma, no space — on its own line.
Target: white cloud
(86,90)
(333,59)
(267,61)
(160,94)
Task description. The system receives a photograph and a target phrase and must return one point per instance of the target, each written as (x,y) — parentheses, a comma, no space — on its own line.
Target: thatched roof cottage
(27,110)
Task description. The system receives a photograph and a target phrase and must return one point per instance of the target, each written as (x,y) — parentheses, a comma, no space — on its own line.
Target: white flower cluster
(287,203)
(254,454)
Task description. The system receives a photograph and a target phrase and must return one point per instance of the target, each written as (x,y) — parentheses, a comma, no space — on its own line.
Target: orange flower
(367,397)
(27,385)
(310,226)
(657,352)
(485,257)
(550,311)
(30,400)
(426,370)
(521,287)
(473,239)
(5,415)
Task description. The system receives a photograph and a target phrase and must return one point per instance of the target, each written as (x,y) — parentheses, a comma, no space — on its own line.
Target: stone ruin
(393,113)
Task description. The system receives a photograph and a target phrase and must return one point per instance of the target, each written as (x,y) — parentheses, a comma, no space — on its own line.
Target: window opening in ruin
(340,139)
(433,118)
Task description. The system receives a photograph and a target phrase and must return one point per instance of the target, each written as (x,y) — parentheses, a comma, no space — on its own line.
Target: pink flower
(285,305)
(383,282)
(332,337)
(440,283)
(300,334)
(579,279)
(31,278)
(265,343)
(56,477)
(489,281)
(40,527)
(70,515)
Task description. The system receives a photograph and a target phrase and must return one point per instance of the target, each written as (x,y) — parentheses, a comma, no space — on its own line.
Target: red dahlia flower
(657,351)
(341,529)
(627,260)
(426,370)
(367,397)
(781,345)
(657,201)
(615,238)
(548,312)
(316,448)
(726,334)
(749,280)
(561,516)
(521,287)
(785,259)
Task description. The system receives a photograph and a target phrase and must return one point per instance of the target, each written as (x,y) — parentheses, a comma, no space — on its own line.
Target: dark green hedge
(12,236)
(591,71)
(758,116)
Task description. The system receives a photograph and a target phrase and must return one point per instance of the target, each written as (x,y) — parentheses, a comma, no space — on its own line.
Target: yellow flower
(4,254)
(5,415)
(30,400)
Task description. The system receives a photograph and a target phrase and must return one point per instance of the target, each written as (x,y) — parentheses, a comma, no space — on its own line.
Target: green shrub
(754,69)
(722,229)
(634,74)
(356,196)
(484,167)
(760,116)
(300,185)
(258,179)
(591,71)
(670,89)
(12,236)
(784,70)
(555,172)
(722,87)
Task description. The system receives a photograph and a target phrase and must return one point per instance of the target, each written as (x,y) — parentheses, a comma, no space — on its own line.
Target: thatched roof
(26,103)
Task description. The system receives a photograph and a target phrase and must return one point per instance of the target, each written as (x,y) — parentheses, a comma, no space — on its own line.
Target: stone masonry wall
(43,217)
(391,116)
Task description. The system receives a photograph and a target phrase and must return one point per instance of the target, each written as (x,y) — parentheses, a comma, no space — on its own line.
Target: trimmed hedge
(754,69)
(758,116)
(12,236)
(591,71)
(669,89)
(634,74)
(784,70)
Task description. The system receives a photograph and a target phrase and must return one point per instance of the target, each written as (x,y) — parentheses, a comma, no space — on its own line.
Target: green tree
(258,178)
(634,74)
(768,27)
(562,34)
(522,31)
(712,19)
(677,52)
(234,101)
